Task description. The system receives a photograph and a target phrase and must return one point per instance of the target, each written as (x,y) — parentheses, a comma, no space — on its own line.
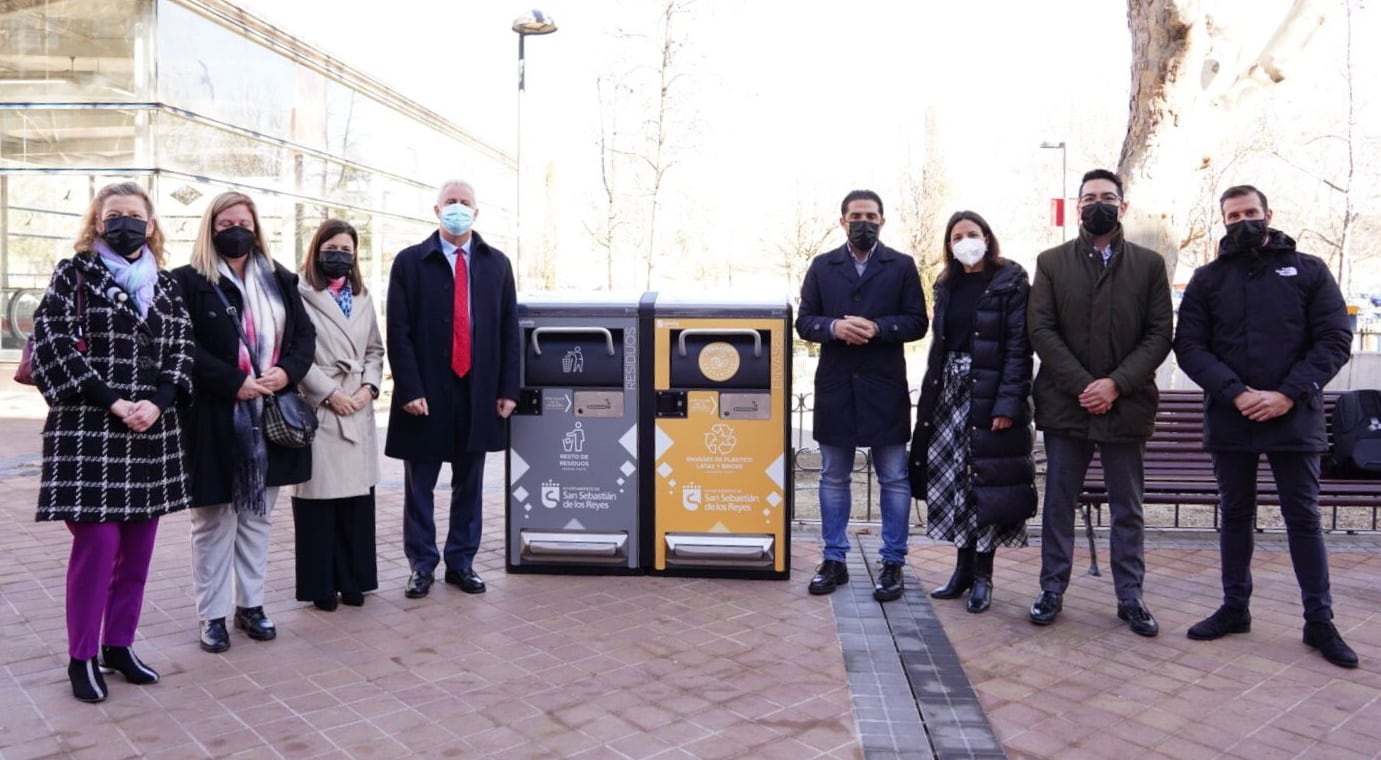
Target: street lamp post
(533,22)
(1064,195)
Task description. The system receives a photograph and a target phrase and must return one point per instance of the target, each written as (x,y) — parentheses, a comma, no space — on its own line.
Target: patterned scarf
(137,277)
(340,290)
(262,318)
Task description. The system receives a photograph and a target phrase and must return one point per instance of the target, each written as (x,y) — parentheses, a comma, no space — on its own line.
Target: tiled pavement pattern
(911,697)
(570,666)
(1087,687)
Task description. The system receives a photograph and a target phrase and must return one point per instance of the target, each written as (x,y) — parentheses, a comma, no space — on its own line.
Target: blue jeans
(837,464)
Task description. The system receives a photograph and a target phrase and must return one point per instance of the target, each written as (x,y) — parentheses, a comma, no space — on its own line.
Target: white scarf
(264,315)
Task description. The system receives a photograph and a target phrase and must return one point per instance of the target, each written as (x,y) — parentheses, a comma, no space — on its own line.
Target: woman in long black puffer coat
(970,456)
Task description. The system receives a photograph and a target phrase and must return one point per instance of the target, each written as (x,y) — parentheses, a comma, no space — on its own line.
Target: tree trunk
(1187,82)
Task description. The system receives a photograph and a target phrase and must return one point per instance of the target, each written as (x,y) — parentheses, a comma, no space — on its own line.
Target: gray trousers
(224,540)
(1067,461)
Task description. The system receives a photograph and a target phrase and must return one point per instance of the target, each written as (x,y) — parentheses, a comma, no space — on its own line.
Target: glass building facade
(194,97)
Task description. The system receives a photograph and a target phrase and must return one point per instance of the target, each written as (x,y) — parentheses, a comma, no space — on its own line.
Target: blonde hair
(87,237)
(204,256)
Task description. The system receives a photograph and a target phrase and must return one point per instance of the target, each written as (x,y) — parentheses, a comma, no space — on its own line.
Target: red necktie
(460,335)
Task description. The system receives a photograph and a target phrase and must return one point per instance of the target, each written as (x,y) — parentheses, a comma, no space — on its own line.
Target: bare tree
(1338,235)
(1189,78)
(657,156)
(924,204)
(609,229)
(806,236)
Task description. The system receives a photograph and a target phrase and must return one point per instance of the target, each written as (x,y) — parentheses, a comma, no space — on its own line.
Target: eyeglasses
(1085,200)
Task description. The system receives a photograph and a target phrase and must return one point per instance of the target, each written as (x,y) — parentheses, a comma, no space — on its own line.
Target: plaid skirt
(949,500)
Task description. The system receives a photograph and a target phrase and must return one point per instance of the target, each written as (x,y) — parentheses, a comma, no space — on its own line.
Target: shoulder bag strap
(81,310)
(234,315)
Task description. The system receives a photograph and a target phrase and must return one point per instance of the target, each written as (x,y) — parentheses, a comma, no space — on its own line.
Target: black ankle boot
(982,595)
(962,578)
(88,684)
(122,660)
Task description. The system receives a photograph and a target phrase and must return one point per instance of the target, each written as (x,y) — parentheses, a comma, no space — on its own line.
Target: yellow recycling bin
(720,484)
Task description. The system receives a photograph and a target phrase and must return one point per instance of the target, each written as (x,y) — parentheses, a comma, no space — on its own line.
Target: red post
(1057,212)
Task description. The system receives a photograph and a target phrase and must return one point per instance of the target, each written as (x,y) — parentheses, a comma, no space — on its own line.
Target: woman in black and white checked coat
(113,365)
(970,453)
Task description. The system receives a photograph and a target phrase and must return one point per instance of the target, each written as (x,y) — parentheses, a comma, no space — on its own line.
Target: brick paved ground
(560,666)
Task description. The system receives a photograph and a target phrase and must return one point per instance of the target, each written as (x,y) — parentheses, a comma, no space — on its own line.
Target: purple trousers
(105,583)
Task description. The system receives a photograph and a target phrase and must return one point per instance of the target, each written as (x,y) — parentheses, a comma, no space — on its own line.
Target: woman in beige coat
(334,511)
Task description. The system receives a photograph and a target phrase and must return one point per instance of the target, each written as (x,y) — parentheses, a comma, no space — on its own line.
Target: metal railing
(806,459)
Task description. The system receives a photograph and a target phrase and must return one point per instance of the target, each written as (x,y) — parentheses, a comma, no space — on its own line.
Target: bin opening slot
(720,550)
(574,546)
(729,358)
(573,357)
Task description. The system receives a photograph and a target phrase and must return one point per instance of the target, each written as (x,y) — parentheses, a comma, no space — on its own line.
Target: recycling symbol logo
(720,440)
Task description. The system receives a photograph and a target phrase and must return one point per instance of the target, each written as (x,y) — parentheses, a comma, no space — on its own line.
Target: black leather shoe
(214,637)
(1134,612)
(831,574)
(981,598)
(1325,638)
(891,583)
(122,660)
(88,685)
(466,579)
(352,598)
(1223,621)
(327,604)
(1047,606)
(419,583)
(255,623)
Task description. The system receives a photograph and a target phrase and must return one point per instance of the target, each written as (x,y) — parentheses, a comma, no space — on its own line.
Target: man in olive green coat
(1099,318)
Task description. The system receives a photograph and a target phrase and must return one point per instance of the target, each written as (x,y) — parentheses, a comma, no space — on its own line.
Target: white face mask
(969,251)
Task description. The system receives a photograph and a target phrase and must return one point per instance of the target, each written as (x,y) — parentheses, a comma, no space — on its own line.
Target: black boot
(982,595)
(122,660)
(87,683)
(962,578)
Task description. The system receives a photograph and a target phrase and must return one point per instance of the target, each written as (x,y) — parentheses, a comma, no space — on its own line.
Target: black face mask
(1099,218)
(334,264)
(1246,235)
(125,235)
(233,242)
(863,235)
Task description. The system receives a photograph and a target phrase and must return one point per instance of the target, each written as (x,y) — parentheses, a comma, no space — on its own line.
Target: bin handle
(743,331)
(608,336)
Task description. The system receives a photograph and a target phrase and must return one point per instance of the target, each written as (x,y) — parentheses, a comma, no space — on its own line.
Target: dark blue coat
(1001,379)
(1272,319)
(421,293)
(861,397)
(217,377)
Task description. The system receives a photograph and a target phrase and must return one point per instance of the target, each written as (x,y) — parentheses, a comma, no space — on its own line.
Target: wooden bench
(1179,472)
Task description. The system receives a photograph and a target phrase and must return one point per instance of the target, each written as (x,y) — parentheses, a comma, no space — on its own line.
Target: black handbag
(1017,509)
(288,420)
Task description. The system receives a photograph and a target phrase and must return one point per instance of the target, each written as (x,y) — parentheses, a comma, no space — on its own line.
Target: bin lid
(678,302)
(583,301)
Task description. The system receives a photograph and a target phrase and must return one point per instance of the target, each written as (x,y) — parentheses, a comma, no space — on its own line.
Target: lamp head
(534,22)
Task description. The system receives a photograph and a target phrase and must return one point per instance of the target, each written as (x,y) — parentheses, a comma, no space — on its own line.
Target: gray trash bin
(572,465)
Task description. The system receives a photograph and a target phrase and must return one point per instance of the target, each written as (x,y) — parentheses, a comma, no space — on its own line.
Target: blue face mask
(457,218)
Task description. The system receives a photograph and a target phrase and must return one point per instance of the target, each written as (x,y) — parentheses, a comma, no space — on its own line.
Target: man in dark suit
(1262,329)
(862,302)
(453,345)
